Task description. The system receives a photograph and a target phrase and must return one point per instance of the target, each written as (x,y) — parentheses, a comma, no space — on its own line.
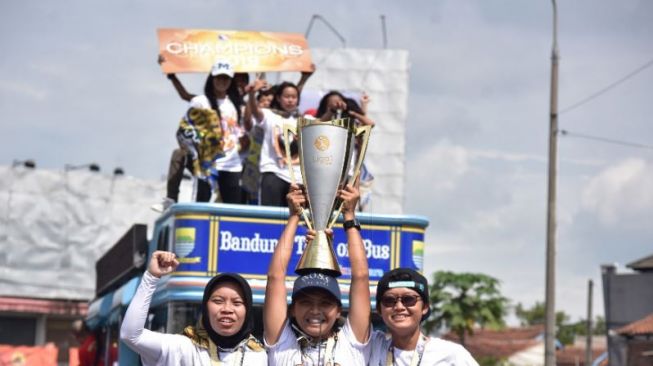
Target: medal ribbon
(215,355)
(418,353)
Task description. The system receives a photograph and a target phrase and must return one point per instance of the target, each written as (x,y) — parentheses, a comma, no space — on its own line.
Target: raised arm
(183,93)
(363,119)
(364,102)
(145,342)
(275,305)
(247,113)
(305,76)
(359,294)
(252,108)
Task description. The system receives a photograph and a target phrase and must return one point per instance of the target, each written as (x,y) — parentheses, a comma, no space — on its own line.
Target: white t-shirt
(347,350)
(159,349)
(269,162)
(436,352)
(231,162)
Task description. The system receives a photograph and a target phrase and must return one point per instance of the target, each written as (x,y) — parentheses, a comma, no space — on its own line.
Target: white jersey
(159,349)
(231,162)
(435,351)
(346,350)
(269,162)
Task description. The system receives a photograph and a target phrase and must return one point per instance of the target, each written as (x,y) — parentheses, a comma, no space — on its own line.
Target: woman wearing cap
(229,166)
(222,335)
(310,331)
(209,136)
(402,300)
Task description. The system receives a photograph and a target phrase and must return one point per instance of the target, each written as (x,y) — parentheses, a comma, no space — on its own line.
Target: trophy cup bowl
(325,152)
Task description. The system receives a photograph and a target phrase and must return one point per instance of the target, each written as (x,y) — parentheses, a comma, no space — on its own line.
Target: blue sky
(79,82)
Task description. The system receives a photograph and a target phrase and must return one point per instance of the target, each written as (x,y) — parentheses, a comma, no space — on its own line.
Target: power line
(648,64)
(606,140)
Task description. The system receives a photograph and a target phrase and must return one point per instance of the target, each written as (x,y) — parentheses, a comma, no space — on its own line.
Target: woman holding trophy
(310,331)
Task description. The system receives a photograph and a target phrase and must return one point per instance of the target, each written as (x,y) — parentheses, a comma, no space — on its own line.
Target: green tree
(537,314)
(565,331)
(460,301)
(599,326)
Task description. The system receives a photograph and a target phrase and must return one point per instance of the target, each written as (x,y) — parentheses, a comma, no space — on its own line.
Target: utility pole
(588,338)
(550,325)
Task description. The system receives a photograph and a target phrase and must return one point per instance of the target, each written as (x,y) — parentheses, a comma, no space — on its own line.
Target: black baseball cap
(405,278)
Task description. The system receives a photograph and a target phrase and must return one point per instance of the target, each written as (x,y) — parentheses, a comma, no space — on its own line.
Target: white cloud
(621,194)
(441,166)
(25,89)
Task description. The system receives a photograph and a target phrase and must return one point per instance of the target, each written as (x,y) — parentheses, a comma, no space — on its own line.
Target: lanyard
(215,356)
(329,353)
(418,353)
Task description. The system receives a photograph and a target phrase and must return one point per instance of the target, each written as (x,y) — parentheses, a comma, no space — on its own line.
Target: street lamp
(27,163)
(90,166)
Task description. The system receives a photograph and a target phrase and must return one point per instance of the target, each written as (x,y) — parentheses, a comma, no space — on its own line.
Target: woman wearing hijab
(222,336)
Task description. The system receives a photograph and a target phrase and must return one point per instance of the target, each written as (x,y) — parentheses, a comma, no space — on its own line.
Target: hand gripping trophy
(325,152)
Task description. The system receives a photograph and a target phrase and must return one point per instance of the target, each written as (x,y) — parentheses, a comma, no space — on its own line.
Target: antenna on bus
(384,32)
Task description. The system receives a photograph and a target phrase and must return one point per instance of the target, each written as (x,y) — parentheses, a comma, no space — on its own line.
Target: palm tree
(459,301)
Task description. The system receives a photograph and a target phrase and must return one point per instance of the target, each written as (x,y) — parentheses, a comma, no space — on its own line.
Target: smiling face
(402,320)
(315,312)
(226,309)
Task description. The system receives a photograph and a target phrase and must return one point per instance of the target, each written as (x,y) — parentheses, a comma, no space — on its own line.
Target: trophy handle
(363,150)
(287,128)
(362,130)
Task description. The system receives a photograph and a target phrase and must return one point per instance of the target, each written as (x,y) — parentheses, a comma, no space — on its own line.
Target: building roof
(575,356)
(521,345)
(640,327)
(499,343)
(43,306)
(644,264)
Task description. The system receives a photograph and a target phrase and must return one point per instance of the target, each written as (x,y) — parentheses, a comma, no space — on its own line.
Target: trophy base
(319,256)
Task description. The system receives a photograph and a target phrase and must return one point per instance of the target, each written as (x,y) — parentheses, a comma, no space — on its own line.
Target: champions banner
(196,50)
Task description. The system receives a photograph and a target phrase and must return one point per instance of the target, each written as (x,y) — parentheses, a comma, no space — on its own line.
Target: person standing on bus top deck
(275,173)
(223,93)
(402,300)
(222,335)
(310,331)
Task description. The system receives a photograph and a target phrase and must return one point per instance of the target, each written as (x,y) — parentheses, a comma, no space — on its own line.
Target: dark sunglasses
(406,300)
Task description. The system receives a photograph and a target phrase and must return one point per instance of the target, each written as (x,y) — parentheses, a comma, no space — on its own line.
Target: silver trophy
(325,150)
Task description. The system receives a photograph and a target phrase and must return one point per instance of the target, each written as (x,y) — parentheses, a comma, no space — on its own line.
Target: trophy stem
(319,256)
